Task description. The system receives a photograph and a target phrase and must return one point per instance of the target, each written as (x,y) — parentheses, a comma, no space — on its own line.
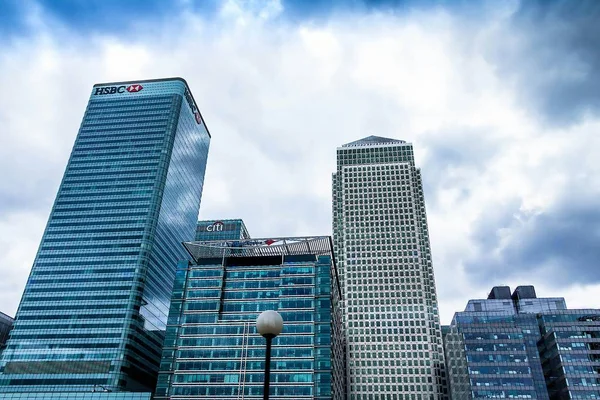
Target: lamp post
(269,324)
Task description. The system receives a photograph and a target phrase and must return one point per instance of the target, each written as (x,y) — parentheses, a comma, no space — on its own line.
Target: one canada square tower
(93,314)
(382,244)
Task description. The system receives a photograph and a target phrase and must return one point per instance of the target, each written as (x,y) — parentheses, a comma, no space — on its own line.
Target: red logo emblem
(134,88)
(198,119)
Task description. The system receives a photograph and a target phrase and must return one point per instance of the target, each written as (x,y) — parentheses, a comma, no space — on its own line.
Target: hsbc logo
(118,89)
(134,88)
(193,107)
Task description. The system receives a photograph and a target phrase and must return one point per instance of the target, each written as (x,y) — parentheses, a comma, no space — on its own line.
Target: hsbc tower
(93,314)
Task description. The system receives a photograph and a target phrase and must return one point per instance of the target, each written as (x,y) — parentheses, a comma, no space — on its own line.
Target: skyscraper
(212,349)
(381,242)
(523,347)
(94,311)
(491,348)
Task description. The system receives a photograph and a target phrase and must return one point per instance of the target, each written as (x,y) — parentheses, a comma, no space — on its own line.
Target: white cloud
(278,99)
(20,233)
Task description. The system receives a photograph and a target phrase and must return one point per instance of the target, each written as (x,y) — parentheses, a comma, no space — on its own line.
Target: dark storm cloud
(451,150)
(560,244)
(550,53)
(322,10)
(124,17)
(95,16)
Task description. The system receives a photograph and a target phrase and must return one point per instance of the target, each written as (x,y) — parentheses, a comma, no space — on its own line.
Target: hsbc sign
(192,104)
(118,89)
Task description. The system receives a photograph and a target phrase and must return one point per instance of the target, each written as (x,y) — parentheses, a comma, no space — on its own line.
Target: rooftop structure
(221,229)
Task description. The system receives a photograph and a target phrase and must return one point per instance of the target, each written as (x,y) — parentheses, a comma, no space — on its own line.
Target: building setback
(212,349)
(94,311)
(382,246)
(521,346)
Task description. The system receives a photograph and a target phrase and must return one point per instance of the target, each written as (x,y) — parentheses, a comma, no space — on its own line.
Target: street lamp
(269,324)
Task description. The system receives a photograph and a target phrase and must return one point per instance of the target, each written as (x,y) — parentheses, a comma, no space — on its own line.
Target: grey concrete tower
(381,242)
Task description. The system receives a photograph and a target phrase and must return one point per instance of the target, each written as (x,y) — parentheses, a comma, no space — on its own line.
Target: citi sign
(118,89)
(216,227)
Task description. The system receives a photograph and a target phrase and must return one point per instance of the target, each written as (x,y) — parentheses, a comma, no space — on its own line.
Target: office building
(6,324)
(221,229)
(446,384)
(212,349)
(519,346)
(94,311)
(382,246)
(491,348)
(570,353)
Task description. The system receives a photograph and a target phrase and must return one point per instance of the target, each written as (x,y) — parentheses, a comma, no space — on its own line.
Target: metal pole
(267,367)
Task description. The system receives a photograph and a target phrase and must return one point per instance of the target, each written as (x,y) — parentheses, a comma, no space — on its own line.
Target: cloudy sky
(500,99)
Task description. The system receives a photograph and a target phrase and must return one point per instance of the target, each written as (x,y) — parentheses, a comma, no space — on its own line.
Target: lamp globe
(269,323)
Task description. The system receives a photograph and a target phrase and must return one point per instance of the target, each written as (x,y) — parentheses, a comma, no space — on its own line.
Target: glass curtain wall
(212,349)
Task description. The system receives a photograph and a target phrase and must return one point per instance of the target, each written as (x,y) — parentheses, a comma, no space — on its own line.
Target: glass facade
(520,347)
(570,353)
(98,395)
(94,310)
(395,348)
(212,349)
(6,324)
(221,229)
(494,355)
